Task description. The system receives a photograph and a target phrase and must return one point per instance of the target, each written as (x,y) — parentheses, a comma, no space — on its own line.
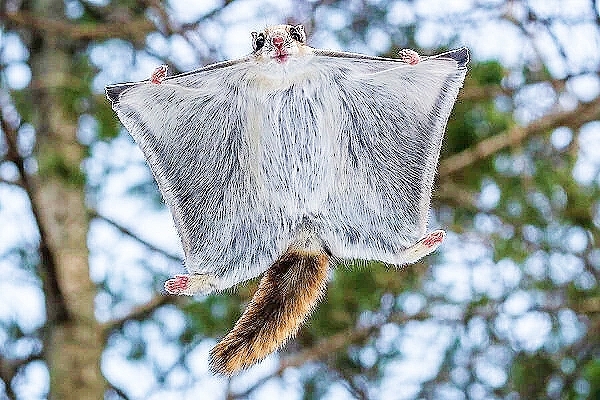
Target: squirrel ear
(297,33)
(300,28)
(258,40)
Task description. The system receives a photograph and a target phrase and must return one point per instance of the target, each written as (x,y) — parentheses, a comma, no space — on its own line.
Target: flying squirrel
(288,162)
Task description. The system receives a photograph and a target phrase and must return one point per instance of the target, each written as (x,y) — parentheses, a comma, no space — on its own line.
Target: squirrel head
(280,43)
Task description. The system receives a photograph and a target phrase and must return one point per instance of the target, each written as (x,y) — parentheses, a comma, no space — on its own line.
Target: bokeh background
(507,308)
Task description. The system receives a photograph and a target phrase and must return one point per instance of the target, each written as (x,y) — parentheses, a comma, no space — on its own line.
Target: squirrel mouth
(281,58)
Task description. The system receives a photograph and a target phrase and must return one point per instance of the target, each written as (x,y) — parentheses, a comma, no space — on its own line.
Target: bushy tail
(286,295)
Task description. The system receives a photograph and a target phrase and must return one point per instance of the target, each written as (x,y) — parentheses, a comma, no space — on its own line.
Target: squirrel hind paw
(177,284)
(191,284)
(426,245)
(434,239)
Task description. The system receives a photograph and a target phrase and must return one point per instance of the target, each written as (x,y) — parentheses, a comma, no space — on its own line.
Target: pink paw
(410,56)
(434,238)
(159,74)
(177,284)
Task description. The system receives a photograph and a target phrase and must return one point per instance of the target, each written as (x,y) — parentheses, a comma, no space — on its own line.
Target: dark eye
(259,41)
(297,33)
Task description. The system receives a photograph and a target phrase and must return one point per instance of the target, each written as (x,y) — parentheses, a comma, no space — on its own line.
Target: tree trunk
(73,340)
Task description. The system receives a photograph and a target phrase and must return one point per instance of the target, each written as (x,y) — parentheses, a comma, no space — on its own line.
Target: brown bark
(135,29)
(73,339)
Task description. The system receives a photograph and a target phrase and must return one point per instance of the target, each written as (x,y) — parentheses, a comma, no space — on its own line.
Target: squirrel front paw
(159,74)
(410,56)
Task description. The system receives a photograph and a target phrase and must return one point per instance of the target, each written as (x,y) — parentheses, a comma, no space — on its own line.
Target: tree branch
(485,92)
(127,232)
(133,28)
(331,345)
(139,312)
(516,135)
(119,392)
(59,311)
(11,183)
(9,368)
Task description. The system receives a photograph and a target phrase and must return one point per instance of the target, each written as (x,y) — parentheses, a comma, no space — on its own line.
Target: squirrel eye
(259,41)
(296,34)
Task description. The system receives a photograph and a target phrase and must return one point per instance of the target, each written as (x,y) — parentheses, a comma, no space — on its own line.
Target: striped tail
(285,297)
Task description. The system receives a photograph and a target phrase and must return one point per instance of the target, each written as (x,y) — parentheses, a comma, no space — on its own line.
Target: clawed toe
(177,284)
(410,56)
(193,284)
(434,238)
(159,74)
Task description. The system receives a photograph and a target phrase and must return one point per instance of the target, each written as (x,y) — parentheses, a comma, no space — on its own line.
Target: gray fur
(248,154)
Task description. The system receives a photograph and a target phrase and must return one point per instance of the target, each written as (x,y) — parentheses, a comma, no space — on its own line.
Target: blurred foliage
(522,206)
(531,374)
(54,165)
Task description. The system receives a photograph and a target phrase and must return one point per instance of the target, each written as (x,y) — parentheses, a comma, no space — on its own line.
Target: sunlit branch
(515,136)
(451,193)
(485,92)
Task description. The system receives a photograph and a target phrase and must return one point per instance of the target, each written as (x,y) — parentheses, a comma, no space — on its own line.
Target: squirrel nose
(277,41)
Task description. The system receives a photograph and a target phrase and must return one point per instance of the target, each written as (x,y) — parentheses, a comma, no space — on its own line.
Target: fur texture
(286,294)
(246,154)
(287,143)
